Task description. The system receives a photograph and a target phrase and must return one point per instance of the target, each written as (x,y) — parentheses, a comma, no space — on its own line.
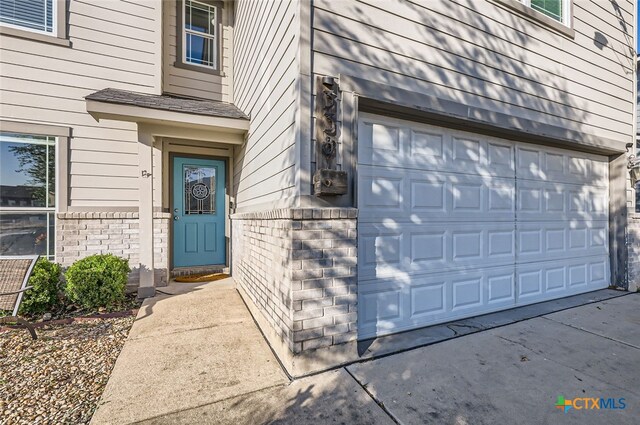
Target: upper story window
(555,9)
(200,41)
(32,15)
(39,20)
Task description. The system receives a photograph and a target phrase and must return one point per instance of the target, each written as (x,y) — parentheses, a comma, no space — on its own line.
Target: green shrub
(45,294)
(97,281)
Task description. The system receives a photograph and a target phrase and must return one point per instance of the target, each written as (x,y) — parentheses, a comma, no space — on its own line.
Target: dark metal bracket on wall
(327,180)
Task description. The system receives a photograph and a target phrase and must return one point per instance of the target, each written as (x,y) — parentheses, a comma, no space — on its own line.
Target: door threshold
(189,270)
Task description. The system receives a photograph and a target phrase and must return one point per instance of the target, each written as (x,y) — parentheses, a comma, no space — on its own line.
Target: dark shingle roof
(169,103)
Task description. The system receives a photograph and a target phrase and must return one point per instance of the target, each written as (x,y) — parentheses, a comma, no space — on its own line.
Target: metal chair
(14,275)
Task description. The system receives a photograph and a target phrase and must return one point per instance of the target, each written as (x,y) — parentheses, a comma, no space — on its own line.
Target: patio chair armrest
(16,292)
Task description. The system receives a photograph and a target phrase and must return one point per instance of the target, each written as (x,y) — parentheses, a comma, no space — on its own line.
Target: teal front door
(198,212)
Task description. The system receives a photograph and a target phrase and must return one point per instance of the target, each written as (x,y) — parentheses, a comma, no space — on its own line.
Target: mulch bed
(59,378)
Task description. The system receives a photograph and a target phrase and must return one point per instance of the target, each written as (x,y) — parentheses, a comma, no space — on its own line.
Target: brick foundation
(298,267)
(80,234)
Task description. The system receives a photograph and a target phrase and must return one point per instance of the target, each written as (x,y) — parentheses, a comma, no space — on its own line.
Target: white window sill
(539,17)
(30,35)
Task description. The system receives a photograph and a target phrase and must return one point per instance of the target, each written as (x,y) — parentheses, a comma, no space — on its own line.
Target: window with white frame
(555,9)
(27,194)
(32,15)
(200,38)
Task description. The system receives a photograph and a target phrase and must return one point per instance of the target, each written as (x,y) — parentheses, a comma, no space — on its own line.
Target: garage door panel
(429,299)
(391,143)
(386,193)
(453,224)
(538,200)
(538,241)
(410,249)
(542,163)
(381,307)
(380,250)
(540,281)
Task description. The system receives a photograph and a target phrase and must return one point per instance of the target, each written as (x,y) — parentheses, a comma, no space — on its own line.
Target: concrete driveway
(172,373)
(515,373)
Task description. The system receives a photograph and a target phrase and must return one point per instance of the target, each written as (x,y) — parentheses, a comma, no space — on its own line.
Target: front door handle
(176,218)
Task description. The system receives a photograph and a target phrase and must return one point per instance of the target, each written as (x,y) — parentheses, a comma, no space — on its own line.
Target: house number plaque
(327,180)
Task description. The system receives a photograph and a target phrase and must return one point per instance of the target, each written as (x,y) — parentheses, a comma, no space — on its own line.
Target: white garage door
(454,224)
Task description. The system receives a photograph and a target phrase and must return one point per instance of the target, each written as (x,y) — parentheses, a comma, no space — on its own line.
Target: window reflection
(27,194)
(27,234)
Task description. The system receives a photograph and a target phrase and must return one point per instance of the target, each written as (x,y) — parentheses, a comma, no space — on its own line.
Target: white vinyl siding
(114,44)
(265,73)
(485,55)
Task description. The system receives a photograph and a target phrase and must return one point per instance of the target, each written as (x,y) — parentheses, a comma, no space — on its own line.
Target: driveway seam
(593,333)
(379,403)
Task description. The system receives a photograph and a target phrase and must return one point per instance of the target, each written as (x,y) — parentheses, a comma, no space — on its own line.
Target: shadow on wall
(628,37)
(473,53)
(450,51)
(265,75)
(446,49)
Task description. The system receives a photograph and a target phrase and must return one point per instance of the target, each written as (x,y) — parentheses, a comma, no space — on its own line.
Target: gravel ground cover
(59,378)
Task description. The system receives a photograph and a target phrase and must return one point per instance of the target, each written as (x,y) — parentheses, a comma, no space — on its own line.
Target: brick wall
(298,267)
(80,234)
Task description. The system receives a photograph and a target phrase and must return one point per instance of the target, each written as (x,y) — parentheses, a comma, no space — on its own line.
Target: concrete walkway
(199,358)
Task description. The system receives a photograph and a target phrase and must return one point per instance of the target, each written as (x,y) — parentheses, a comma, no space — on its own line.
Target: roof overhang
(170,123)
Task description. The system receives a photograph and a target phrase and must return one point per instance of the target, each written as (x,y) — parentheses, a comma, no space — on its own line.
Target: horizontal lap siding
(483,54)
(191,83)
(114,44)
(266,71)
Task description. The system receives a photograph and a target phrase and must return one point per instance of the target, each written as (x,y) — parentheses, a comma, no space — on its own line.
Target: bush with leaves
(45,294)
(97,281)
